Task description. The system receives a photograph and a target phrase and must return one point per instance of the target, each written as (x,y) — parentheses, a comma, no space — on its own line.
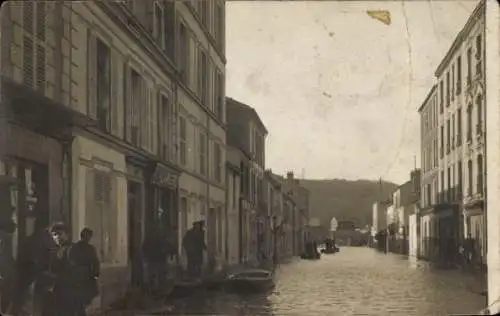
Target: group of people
(63,275)
(194,245)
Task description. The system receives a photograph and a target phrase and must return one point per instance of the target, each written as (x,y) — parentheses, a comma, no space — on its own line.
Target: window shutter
(115,124)
(28,12)
(149,21)
(91,73)
(28,62)
(41,16)
(40,69)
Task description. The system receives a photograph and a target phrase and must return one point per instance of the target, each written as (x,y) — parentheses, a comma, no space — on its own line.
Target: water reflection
(356,281)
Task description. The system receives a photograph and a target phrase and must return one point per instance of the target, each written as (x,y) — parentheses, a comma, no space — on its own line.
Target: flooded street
(356,281)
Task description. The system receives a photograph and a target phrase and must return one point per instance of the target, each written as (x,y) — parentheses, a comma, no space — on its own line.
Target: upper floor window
(448,88)
(183,57)
(217,162)
(441,96)
(203,153)
(479,49)
(103,85)
(159,25)
(183,140)
(203,77)
(219,96)
(469,66)
(34,49)
(452,83)
(219,24)
(459,75)
(165,127)
(135,107)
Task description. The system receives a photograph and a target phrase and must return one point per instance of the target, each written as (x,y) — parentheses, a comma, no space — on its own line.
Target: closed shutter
(91,71)
(28,62)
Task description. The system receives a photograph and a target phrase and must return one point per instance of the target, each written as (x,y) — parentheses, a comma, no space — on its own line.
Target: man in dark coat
(85,271)
(194,245)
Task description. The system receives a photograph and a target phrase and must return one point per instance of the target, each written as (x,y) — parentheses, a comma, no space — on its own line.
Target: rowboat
(250,280)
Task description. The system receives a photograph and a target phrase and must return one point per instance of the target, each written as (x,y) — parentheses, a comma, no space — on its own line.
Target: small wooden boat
(330,250)
(306,256)
(250,280)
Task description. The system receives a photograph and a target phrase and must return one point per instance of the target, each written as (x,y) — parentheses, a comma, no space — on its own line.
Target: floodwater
(355,281)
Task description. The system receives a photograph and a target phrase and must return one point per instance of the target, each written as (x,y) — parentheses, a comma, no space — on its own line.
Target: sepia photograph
(243,157)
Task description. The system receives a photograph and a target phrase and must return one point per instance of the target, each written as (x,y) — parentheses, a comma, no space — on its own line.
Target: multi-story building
(461,119)
(246,132)
(429,184)
(300,195)
(107,103)
(233,225)
(200,58)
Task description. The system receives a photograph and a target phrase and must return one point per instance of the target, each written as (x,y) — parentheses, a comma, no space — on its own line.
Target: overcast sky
(338,90)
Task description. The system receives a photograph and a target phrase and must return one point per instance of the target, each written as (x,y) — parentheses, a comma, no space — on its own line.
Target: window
(469,66)
(204,13)
(103,86)
(441,97)
(478,55)
(219,96)
(459,75)
(235,202)
(448,134)
(442,186)
(165,124)
(100,215)
(217,162)
(442,141)
(219,25)
(34,52)
(479,112)
(459,127)
(469,122)
(452,131)
(480,184)
(448,88)
(184,53)
(183,141)
(203,78)
(137,102)
(159,26)
(470,173)
(448,186)
(452,82)
(203,153)
(459,175)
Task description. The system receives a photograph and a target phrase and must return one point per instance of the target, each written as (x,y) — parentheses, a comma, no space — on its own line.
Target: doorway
(135,231)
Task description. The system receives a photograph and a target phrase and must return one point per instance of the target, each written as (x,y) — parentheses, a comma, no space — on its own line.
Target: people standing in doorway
(85,269)
(194,245)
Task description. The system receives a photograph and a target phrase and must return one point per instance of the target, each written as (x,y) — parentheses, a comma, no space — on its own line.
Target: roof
(460,37)
(433,89)
(250,110)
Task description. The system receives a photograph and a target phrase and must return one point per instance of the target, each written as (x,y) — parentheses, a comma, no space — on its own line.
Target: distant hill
(344,199)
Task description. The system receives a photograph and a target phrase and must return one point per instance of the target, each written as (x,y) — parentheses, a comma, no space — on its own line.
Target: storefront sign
(164,177)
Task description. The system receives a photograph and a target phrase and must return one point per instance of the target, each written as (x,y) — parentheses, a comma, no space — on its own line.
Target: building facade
(126,109)
(233,195)
(246,132)
(461,119)
(300,196)
(201,111)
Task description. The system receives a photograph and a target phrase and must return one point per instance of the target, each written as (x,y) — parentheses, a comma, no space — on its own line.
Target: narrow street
(356,281)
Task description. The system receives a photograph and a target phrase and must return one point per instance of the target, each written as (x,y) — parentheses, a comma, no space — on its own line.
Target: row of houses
(113,116)
(452,184)
(393,216)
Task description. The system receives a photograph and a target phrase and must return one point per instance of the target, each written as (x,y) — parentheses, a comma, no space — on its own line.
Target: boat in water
(250,280)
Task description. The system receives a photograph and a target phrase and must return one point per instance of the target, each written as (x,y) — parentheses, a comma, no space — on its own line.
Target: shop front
(162,205)
(475,227)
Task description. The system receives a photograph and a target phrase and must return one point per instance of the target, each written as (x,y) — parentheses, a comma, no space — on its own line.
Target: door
(135,231)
